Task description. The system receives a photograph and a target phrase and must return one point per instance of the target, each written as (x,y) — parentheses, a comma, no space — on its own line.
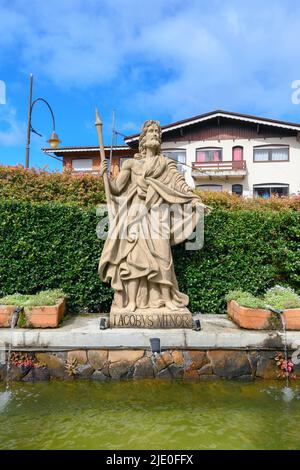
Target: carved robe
(140,238)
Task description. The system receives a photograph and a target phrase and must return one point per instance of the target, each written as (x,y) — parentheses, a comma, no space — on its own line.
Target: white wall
(257,173)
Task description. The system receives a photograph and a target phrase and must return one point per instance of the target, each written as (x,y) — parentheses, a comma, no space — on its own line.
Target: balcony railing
(222,166)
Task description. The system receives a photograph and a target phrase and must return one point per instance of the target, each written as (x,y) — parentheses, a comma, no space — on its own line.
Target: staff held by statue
(98,125)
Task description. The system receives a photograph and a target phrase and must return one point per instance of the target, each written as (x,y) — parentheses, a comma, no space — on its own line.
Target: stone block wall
(103,364)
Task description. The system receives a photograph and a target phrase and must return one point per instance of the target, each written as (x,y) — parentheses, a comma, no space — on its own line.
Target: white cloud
(12,132)
(179,57)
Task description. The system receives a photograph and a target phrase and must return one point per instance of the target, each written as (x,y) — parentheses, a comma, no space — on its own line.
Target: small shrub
(245,299)
(275,322)
(277,297)
(44,298)
(282,298)
(234,295)
(19,300)
(21,320)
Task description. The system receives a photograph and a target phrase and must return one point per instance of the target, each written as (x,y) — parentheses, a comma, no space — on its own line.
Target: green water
(149,415)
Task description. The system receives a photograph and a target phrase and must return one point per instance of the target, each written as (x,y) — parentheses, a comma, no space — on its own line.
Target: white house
(219,150)
(234,152)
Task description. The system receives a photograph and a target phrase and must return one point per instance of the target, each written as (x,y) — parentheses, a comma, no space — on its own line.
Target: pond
(149,415)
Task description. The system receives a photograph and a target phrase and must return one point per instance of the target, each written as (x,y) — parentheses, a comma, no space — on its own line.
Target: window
(209,155)
(237,154)
(271,154)
(210,187)
(267,190)
(83,164)
(177,155)
(237,189)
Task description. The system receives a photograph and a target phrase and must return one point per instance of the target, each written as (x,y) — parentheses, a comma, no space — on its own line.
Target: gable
(220,128)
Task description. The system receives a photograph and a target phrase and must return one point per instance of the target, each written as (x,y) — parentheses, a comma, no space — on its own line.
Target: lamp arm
(50,109)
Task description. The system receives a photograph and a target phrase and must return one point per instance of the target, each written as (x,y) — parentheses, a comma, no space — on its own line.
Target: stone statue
(138,262)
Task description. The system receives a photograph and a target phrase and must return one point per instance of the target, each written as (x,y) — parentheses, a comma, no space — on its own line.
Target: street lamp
(54,140)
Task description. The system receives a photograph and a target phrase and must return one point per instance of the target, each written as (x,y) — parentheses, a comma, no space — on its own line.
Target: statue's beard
(154,145)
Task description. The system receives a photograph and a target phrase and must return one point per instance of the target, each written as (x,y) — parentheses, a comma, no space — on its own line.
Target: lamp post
(54,140)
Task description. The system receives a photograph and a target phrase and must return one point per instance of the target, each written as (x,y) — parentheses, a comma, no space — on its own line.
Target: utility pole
(29,121)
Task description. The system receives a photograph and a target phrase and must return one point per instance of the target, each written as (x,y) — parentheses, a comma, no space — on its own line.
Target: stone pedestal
(151,318)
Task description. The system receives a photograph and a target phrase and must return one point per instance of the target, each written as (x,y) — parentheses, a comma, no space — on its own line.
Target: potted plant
(254,313)
(43,310)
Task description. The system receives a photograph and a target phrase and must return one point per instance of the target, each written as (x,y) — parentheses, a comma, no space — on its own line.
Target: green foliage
(43,298)
(53,245)
(275,322)
(245,299)
(282,298)
(233,202)
(20,184)
(243,250)
(22,320)
(15,299)
(277,297)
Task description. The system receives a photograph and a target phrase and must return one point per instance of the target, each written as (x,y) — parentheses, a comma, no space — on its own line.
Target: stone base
(219,351)
(151,318)
(116,364)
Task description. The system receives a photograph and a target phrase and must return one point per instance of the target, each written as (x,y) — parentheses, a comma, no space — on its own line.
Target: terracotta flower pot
(6,312)
(292,318)
(249,318)
(261,319)
(46,316)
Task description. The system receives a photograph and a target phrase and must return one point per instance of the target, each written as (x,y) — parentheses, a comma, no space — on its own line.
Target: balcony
(221,169)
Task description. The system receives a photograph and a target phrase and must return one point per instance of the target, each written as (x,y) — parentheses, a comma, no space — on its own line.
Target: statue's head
(150,137)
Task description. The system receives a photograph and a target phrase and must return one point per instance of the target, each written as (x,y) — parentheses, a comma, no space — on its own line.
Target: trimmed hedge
(243,250)
(233,202)
(52,245)
(32,185)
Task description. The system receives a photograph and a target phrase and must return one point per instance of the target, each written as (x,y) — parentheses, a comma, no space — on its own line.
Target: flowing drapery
(155,211)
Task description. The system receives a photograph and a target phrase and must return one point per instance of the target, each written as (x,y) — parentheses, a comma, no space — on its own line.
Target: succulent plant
(71,366)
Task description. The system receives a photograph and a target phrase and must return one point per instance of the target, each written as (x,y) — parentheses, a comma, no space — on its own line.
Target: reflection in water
(149,415)
(4,399)
(288,394)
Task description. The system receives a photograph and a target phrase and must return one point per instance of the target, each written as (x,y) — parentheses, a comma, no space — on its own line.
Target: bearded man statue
(153,209)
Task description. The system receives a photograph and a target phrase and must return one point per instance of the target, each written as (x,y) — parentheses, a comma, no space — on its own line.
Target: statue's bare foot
(131,307)
(169,304)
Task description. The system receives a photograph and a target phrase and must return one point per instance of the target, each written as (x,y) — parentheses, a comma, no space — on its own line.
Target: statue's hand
(103,167)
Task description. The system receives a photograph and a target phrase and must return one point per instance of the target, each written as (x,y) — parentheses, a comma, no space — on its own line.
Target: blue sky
(160,59)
